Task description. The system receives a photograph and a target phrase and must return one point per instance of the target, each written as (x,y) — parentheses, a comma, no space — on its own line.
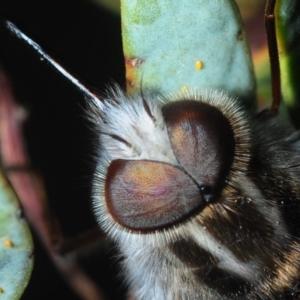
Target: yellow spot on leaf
(8,243)
(1,290)
(198,65)
(184,89)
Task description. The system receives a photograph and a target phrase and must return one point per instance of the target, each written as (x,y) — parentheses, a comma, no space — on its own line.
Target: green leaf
(16,247)
(288,36)
(170,45)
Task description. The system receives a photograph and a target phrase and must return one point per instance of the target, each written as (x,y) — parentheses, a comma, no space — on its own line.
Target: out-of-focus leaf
(249,8)
(113,5)
(170,45)
(263,77)
(16,247)
(262,73)
(288,36)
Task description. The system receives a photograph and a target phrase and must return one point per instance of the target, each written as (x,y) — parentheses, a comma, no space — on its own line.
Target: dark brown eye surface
(147,195)
(202,140)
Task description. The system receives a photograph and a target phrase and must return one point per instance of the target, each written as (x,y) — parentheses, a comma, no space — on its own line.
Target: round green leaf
(16,247)
(171,45)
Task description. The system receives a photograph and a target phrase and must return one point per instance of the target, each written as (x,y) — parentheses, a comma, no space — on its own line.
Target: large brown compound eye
(203,142)
(147,195)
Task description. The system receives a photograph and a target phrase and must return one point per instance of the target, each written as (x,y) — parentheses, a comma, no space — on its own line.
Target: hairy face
(183,185)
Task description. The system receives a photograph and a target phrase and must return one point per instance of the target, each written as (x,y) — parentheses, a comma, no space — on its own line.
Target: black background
(87,40)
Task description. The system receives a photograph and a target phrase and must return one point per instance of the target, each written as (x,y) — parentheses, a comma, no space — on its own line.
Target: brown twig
(30,189)
(273,54)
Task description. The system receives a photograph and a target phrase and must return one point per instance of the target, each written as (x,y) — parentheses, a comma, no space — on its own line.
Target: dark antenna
(87,92)
(273,54)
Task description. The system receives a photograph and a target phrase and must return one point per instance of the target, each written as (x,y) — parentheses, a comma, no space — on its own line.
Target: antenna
(87,92)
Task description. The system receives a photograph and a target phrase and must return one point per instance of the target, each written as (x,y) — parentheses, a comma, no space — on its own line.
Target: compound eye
(147,195)
(202,140)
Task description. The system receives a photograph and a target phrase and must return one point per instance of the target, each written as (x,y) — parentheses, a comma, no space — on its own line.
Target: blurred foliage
(113,5)
(288,35)
(16,247)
